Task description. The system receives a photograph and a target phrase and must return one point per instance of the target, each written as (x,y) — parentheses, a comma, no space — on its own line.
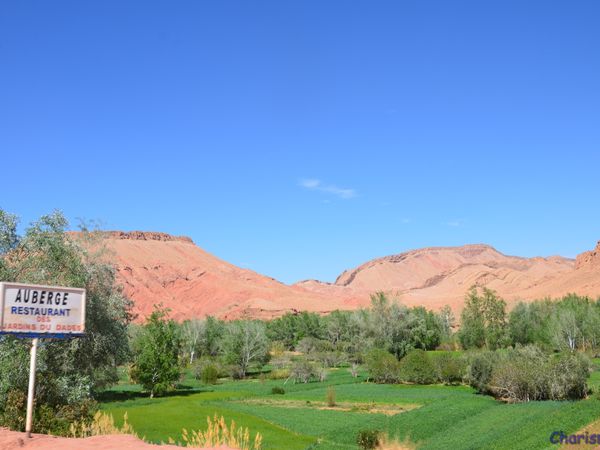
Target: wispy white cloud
(454,223)
(310,183)
(317,185)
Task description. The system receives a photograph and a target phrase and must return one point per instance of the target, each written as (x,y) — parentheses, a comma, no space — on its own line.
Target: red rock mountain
(159,268)
(437,276)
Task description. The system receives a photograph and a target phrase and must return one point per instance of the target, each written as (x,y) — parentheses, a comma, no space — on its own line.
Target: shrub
(303,371)
(450,370)
(331,359)
(331,396)
(277,390)
(209,374)
(479,371)
(13,416)
(527,373)
(383,367)
(368,439)
(568,377)
(321,373)
(520,375)
(279,374)
(416,367)
(280,361)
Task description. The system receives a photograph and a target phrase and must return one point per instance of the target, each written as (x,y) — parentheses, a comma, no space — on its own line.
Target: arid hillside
(159,268)
(437,276)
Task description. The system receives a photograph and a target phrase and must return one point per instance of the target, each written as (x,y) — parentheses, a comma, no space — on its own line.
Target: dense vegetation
(70,372)
(435,416)
(538,351)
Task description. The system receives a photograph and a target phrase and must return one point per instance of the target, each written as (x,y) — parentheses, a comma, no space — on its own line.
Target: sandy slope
(12,440)
(437,276)
(156,267)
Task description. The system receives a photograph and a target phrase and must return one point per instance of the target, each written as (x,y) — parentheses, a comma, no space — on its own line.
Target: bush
(209,374)
(368,439)
(209,370)
(450,369)
(331,359)
(13,415)
(527,373)
(568,378)
(279,374)
(303,371)
(383,367)
(479,371)
(277,390)
(331,396)
(520,375)
(416,367)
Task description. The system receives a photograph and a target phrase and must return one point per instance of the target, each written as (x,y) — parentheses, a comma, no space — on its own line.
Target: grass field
(436,417)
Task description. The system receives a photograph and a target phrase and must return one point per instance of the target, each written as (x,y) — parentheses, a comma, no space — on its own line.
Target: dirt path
(12,440)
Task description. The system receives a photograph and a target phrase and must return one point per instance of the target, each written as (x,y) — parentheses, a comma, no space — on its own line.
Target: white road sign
(41,310)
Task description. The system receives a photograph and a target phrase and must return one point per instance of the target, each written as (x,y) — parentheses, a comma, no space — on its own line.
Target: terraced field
(435,417)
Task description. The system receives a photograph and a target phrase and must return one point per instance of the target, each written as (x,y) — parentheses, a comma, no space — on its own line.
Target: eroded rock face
(589,259)
(145,236)
(159,268)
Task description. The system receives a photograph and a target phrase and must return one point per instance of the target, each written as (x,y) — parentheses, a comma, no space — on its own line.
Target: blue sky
(300,139)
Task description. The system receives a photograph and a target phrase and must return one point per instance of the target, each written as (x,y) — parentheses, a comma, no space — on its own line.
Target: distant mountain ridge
(160,268)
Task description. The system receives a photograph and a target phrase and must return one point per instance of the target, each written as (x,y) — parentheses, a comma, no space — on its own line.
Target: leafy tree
(337,327)
(191,334)
(494,310)
(472,322)
(211,336)
(291,328)
(245,342)
(69,372)
(520,324)
(483,320)
(447,319)
(156,364)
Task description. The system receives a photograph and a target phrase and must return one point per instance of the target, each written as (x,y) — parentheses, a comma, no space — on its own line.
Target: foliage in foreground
(218,433)
(69,372)
(102,424)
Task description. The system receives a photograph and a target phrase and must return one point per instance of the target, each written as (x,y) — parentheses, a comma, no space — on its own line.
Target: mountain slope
(436,276)
(159,268)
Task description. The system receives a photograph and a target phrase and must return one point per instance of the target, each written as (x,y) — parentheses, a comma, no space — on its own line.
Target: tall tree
(483,320)
(245,342)
(191,335)
(156,365)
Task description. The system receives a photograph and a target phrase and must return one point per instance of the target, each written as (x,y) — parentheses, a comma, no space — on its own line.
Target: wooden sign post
(33,311)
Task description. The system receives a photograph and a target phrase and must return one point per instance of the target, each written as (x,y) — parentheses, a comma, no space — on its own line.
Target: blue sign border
(43,335)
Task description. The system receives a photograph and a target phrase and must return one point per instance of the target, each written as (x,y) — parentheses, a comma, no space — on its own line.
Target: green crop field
(435,417)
